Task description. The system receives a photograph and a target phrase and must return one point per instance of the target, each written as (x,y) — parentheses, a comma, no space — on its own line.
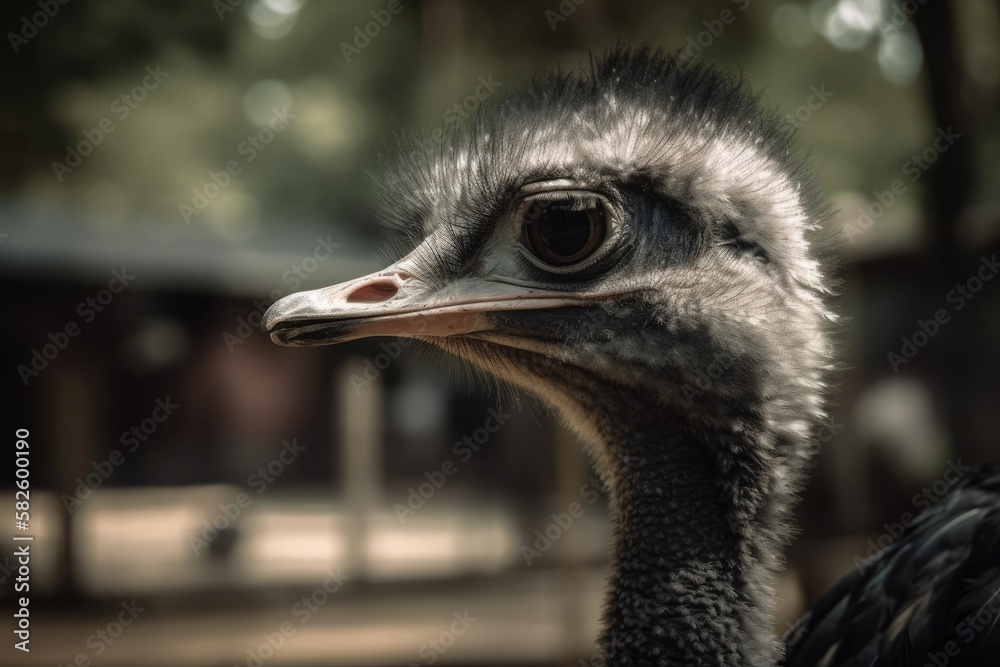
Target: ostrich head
(629,244)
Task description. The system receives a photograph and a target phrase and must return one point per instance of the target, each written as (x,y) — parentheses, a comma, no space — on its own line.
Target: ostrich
(657,198)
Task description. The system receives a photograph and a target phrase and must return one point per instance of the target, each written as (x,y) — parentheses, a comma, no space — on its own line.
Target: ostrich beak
(394,302)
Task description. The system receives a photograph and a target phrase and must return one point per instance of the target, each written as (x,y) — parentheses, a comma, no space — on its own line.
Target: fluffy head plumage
(709,165)
(720,329)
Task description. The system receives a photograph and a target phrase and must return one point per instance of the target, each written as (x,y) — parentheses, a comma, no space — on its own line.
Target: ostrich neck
(683,591)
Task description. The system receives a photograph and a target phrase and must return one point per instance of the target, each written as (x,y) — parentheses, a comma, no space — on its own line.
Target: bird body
(932,597)
(659,198)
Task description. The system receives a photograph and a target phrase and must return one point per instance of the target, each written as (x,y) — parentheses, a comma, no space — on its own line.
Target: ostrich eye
(563,229)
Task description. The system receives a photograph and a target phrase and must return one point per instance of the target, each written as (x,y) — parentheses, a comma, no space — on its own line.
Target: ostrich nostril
(373,292)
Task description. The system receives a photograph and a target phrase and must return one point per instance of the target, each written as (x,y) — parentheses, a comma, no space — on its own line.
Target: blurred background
(203,497)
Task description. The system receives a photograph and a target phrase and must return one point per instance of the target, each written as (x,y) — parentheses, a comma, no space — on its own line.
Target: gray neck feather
(690,585)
